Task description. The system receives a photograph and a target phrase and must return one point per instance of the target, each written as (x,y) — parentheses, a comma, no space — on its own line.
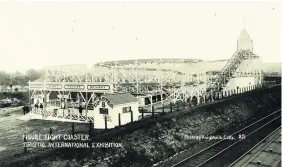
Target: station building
(111,106)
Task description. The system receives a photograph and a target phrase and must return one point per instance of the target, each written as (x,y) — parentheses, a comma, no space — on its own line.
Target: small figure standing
(80,109)
(24,110)
(36,106)
(41,106)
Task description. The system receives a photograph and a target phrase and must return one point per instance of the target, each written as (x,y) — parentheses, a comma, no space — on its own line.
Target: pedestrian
(41,106)
(24,110)
(36,106)
(80,109)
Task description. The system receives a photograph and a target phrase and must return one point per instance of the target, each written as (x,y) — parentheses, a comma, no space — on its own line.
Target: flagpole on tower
(244,22)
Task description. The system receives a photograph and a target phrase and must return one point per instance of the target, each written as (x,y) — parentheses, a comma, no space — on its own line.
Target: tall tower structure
(242,70)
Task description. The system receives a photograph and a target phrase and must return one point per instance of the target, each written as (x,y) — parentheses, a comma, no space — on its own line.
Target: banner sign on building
(36,86)
(103,101)
(81,87)
(98,87)
(54,86)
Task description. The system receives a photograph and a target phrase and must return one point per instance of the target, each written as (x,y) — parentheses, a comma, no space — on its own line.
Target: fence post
(170,107)
(50,135)
(119,122)
(90,133)
(142,111)
(72,127)
(131,112)
(225,94)
(153,111)
(106,125)
(163,107)
(25,149)
(177,106)
(90,128)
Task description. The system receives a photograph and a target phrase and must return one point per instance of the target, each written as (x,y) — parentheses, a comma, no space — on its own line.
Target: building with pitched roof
(113,105)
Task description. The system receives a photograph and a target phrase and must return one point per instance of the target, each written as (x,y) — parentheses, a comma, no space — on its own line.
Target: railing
(70,113)
(229,69)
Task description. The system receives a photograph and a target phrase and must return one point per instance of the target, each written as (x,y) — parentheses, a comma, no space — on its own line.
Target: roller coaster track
(229,69)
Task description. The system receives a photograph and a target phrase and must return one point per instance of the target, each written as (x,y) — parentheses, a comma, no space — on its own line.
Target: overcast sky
(33,35)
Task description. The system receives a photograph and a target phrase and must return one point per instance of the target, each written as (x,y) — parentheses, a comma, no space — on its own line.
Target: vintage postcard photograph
(140,83)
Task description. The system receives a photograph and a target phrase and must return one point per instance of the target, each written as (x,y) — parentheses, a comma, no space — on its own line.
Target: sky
(39,34)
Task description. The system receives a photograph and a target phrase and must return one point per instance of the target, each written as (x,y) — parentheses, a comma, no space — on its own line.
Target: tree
(33,74)
(4,78)
(17,78)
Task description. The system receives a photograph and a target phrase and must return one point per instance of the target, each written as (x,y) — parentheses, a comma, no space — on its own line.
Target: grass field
(12,130)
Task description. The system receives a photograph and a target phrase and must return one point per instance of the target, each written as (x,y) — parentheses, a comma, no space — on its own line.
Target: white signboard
(84,87)
(36,86)
(98,87)
(77,87)
(54,86)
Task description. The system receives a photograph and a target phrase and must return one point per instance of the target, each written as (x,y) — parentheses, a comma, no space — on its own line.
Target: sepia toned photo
(140,84)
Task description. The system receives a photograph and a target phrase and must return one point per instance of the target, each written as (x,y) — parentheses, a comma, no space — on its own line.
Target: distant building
(14,88)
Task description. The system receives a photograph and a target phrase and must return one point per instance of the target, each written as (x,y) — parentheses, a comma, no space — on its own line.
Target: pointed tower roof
(244,35)
(244,41)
